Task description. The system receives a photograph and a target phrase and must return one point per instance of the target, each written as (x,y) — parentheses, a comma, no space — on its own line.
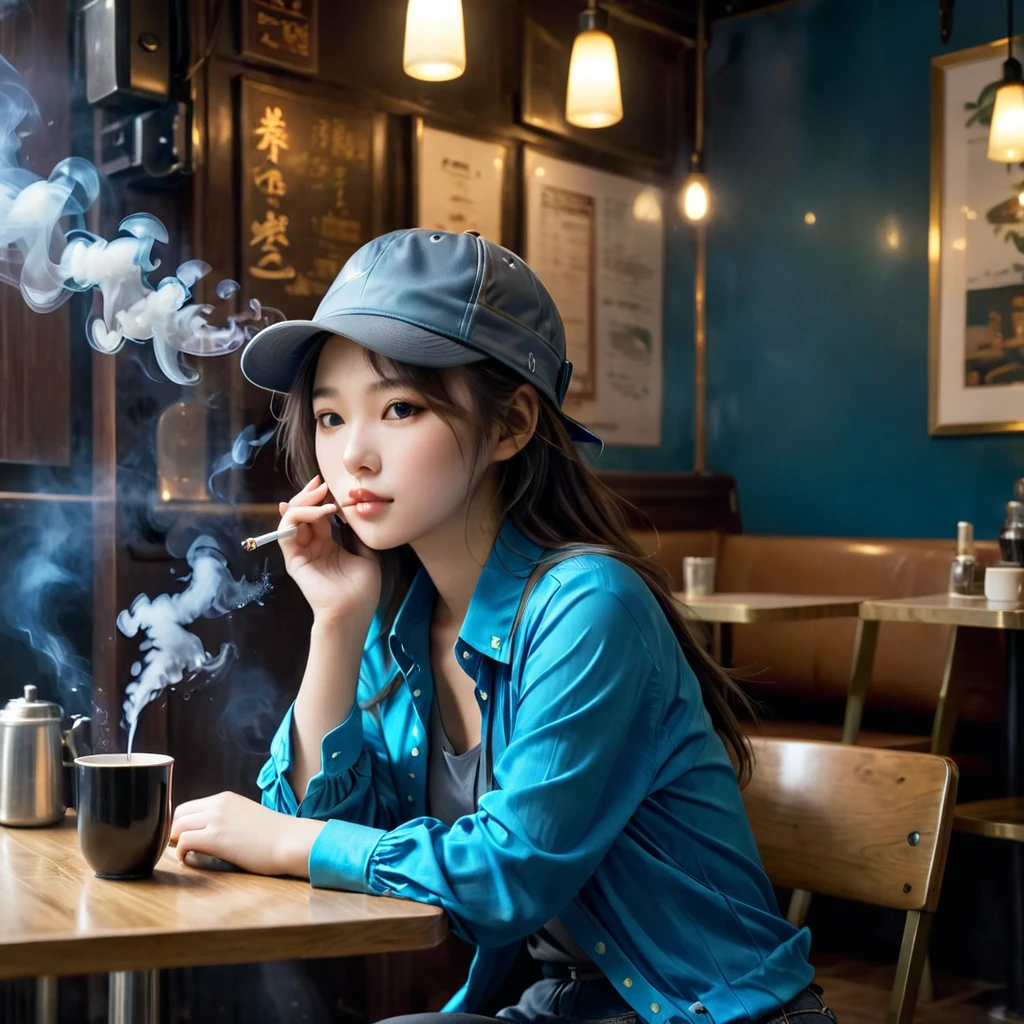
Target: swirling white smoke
(48,263)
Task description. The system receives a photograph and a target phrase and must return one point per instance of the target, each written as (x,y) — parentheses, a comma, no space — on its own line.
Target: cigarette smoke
(173,656)
(47,264)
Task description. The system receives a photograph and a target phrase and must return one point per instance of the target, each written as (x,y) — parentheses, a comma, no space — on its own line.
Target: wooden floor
(858,993)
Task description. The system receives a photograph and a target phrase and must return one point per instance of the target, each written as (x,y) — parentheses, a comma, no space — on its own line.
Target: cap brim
(587,443)
(273,357)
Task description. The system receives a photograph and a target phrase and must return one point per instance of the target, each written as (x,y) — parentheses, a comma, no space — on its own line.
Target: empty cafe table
(729,609)
(1002,818)
(59,918)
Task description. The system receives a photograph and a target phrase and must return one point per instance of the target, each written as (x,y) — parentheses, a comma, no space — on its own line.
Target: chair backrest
(855,822)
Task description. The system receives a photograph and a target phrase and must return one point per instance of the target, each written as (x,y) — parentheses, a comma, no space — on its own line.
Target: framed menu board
(280,33)
(309,200)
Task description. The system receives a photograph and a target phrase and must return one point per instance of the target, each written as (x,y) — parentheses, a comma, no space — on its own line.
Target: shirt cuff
(340,856)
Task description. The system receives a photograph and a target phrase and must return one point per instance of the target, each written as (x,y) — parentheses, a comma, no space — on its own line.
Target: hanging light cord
(1009,29)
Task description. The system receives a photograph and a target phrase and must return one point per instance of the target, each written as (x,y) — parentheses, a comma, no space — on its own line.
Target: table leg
(134,997)
(46,1000)
(860,676)
(721,643)
(1014,772)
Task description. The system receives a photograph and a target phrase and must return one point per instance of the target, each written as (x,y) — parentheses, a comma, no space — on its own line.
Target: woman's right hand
(340,585)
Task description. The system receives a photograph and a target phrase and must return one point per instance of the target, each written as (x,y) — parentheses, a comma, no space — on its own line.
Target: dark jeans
(561,1001)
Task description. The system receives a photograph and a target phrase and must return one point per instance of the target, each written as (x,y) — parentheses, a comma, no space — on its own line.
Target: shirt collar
(492,609)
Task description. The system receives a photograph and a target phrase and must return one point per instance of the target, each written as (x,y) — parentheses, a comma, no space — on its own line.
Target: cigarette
(252,543)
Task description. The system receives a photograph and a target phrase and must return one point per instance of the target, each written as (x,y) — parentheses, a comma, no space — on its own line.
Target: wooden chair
(859,823)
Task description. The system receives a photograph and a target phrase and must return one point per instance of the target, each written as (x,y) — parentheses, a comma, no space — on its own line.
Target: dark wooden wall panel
(35,366)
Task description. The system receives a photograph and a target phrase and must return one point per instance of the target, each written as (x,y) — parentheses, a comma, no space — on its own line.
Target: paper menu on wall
(596,240)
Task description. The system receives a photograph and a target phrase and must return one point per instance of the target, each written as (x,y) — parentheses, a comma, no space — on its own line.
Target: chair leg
(948,707)
(860,676)
(913,953)
(926,994)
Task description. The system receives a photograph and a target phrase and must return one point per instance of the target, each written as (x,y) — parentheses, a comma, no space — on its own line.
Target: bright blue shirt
(616,808)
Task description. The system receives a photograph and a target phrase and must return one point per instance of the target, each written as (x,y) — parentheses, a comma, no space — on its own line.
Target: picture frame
(975,255)
(462,181)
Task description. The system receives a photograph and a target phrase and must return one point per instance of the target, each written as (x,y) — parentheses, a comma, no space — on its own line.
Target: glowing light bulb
(435,40)
(695,200)
(1006,134)
(593,97)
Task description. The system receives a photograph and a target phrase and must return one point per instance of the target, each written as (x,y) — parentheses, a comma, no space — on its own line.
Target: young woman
(502,713)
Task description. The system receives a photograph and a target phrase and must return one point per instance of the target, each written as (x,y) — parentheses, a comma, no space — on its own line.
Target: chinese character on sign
(296,38)
(270,181)
(272,133)
(269,234)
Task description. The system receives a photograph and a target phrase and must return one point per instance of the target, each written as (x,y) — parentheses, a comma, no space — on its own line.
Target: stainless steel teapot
(31,758)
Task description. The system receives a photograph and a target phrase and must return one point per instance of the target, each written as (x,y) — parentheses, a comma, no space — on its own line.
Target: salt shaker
(962,569)
(1011,537)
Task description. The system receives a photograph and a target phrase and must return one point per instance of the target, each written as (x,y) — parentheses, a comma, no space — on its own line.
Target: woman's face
(378,444)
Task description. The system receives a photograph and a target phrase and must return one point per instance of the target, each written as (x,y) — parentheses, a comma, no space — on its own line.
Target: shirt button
(483,696)
(412,775)
(409,798)
(465,655)
(335,754)
(415,693)
(599,948)
(386,892)
(655,1008)
(495,642)
(415,751)
(628,982)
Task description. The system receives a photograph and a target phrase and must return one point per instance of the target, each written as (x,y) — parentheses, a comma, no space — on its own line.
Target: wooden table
(995,818)
(56,917)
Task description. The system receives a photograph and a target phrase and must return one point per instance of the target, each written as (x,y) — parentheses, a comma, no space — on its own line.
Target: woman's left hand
(245,833)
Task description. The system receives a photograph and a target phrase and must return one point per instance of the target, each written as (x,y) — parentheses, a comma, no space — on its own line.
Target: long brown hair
(547,490)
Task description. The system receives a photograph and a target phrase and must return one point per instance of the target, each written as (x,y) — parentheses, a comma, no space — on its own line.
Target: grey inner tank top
(455,782)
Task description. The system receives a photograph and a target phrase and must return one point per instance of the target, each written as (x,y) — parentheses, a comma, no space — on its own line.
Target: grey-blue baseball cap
(432,298)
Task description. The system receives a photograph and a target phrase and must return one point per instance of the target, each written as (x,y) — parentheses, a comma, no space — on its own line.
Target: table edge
(140,949)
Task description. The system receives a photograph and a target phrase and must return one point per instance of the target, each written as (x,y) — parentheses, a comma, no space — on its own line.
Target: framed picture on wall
(975,256)
(597,242)
(461,182)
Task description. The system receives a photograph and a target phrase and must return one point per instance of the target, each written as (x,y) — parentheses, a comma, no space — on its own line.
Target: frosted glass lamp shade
(435,40)
(593,98)
(1006,133)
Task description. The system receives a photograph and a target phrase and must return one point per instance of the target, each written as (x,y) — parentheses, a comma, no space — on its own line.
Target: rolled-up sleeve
(354,782)
(579,761)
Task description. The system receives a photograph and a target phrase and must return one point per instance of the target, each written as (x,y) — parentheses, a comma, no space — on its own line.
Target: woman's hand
(339,585)
(245,833)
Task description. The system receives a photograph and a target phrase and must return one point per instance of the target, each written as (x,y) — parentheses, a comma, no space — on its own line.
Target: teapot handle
(78,739)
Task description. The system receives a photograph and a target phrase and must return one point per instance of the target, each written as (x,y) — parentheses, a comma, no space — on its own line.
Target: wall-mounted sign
(281,32)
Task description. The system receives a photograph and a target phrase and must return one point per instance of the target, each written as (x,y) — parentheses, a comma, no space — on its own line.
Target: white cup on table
(698,576)
(1004,584)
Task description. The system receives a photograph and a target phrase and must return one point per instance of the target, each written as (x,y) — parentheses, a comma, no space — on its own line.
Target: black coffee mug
(124,812)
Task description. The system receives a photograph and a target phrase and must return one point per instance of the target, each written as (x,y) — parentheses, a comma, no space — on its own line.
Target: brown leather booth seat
(805,666)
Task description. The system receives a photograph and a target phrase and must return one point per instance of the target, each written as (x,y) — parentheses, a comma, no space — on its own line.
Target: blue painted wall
(818,334)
